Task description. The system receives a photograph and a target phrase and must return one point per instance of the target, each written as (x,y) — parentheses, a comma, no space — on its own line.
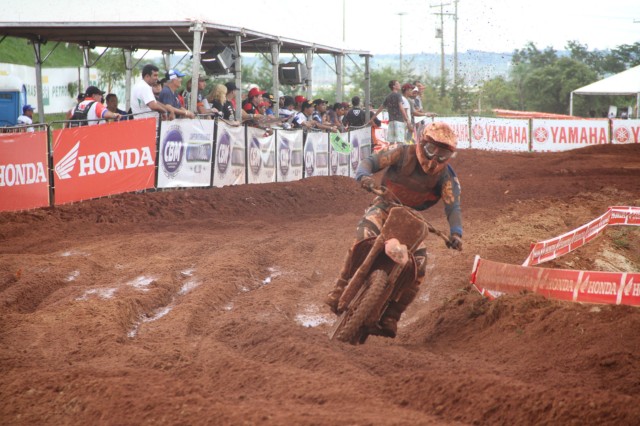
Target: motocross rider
(419,175)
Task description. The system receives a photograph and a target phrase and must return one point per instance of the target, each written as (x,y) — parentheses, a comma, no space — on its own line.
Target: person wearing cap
(250,105)
(26,119)
(299,100)
(169,95)
(398,120)
(229,107)
(419,176)
(202,105)
(93,109)
(143,102)
(269,100)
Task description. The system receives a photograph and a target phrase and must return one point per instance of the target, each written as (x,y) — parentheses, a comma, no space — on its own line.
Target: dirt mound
(204,306)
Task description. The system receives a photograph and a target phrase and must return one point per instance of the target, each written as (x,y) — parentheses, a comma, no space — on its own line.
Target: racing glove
(368,183)
(455,242)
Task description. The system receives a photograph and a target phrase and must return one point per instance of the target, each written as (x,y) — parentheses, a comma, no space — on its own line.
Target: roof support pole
(275,59)
(37,44)
(238,66)
(571,104)
(198,30)
(128,65)
(166,57)
(367,87)
(638,105)
(339,77)
(87,65)
(309,80)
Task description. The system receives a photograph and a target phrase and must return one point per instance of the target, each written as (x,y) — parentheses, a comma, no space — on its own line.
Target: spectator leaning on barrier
(143,101)
(302,119)
(217,98)
(318,116)
(91,109)
(335,115)
(169,95)
(229,108)
(398,120)
(112,105)
(26,119)
(250,105)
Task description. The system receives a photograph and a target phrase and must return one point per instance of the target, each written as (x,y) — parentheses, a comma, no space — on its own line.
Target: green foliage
(112,69)
(20,51)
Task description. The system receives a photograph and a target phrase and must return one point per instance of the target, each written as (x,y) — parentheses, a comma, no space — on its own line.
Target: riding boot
(334,295)
(391,316)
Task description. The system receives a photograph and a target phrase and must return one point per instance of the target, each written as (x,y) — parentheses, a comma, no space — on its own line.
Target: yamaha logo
(478,133)
(540,134)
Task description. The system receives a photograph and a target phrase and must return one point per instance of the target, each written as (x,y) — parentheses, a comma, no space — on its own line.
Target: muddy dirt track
(205,306)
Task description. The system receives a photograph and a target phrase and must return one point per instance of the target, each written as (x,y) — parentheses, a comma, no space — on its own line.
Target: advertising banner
(262,156)
(24,176)
(360,140)
(624,215)
(339,161)
(95,161)
(625,131)
(616,288)
(500,134)
(460,126)
(184,153)
(564,135)
(316,154)
(289,155)
(229,167)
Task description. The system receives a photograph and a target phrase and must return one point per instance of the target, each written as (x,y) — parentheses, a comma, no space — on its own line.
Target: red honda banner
(95,161)
(24,176)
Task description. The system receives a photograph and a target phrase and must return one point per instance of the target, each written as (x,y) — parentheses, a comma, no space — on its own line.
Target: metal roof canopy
(172,36)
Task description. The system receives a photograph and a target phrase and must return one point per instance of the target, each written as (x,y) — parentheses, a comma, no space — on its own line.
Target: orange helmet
(441,134)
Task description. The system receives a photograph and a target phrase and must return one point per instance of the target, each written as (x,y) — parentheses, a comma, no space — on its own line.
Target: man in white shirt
(143,101)
(26,119)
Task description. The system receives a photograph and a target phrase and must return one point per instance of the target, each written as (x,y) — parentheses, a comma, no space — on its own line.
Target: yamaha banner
(184,153)
(289,154)
(229,168)
(262,156)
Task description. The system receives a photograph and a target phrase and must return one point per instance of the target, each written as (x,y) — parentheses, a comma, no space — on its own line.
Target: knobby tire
(360,314)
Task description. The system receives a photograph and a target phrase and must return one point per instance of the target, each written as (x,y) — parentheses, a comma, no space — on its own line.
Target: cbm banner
(262,156)
(316,154)
(360,140)
(289,155)
(107,159)
(229,168)
(24,171)
(185,152)
(339,159)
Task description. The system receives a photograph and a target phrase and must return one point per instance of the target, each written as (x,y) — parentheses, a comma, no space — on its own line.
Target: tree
(112,69)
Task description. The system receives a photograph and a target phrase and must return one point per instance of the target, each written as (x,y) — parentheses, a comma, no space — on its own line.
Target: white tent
(625,83)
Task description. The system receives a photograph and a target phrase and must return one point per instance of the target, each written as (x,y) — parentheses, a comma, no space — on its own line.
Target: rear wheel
(363,312)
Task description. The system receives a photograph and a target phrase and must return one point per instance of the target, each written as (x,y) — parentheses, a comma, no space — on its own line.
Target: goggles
(441,155)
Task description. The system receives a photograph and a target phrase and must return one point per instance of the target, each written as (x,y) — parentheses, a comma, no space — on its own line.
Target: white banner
(289,144)
(316,154)
(360,141)
(339,165)
(625,131)
(229,168)
(460,126)
(262,156)
(563,135)
(184,153)
(501,134)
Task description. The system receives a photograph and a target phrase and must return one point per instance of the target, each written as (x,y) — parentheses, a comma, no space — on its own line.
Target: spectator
(302,119)
(91,110)
(26,119)
(79,99)
(318,116)
(157,88)
(201,104)
(169,95)
(112,105)
(299,101)
(229,107)
(418,98)
(356,115)
(143,101)
(335,116)
(250,105)
(217,98)
(269,100)
(398,120)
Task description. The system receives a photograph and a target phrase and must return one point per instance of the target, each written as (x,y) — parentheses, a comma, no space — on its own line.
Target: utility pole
(455,43)
(401,14)
(440,34)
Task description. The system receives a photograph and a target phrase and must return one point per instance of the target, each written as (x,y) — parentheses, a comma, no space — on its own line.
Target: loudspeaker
(292,73)
(218,61)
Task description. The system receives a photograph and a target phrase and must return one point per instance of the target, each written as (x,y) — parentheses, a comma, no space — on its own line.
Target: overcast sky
(374,25)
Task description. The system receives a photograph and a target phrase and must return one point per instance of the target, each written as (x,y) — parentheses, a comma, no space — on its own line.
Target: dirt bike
(381,268)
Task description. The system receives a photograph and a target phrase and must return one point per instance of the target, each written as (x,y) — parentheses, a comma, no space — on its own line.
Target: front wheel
(364,311)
